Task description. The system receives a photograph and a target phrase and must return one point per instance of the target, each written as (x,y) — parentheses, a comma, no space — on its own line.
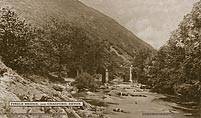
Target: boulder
(58,87)
(73,92)
(137,95)
(37,97)
(45,98)
(145,87)
(2,71)
(90,93)
(118,110)
(114,93)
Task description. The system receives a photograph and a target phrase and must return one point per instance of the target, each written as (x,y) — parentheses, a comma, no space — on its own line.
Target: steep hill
(98,25)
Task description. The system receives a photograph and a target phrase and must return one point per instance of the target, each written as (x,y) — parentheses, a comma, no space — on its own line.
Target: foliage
(57,47)
(15,35)
(54,46)
(86,81)
(139,63)
(67,46)
(176,68)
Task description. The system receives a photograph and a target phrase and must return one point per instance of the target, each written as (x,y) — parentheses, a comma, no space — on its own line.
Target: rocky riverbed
(129,101)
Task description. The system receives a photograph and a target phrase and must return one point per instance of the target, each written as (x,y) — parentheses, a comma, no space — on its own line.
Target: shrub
(189,91)
(86,81)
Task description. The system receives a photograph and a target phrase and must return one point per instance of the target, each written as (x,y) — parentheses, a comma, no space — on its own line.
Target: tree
(139,62)
(56,45)
(65,46)
(177,65)
(15,35)
(88,52)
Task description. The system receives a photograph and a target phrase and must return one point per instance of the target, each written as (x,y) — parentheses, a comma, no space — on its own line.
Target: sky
(151,20)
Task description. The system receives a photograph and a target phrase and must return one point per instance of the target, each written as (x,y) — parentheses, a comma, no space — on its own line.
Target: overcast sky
(150,20)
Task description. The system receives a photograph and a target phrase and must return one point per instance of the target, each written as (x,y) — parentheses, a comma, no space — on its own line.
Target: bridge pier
(131,77)
(106,75)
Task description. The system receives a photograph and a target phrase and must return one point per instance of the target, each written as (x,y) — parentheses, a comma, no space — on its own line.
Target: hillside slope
(15,88)
(98,25)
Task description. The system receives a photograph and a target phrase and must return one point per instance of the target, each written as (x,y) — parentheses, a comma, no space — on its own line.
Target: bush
(86,81)
(189,92)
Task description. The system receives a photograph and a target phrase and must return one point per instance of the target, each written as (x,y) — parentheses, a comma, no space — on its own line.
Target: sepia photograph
(100,58)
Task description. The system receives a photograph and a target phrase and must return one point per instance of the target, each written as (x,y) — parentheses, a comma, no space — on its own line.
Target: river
(140,104)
